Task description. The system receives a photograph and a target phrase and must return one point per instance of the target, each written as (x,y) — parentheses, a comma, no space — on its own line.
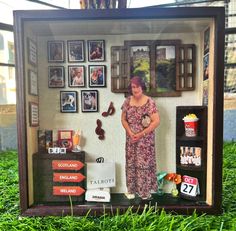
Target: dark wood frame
(102,58)
(104,76)
(216,13)
(75,102)
(69,76)
(62,44)
(69,42)
(152,49)
(82,101)
(63,76)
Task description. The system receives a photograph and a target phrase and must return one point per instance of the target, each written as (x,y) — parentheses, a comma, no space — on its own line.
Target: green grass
(149,220)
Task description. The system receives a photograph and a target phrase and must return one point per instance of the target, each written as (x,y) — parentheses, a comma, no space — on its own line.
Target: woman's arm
(155,121)
(126,125)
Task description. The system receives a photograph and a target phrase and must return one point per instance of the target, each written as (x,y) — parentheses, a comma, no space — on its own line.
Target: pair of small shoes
(148,198)
(130,196)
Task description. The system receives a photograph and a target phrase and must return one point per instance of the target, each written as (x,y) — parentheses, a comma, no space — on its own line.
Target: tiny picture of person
(76,51)
(89,100)
(190,156)
(206,40)
(55,51)
(68,101)
(97,76)
(206,67)
(76,76)
(56,77)
(96,50)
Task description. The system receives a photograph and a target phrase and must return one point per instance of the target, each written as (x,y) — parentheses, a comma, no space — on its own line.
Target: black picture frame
(69,101)
(56,77)
(56,51)
(75,50)
(96,50)
(97,75)
(89,101)
(76,76)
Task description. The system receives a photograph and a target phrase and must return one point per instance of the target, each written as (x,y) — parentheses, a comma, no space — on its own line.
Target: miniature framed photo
(75,51)
(33,82)
(33,114)
(55,51)
(65,139)
(206,40)
(68,101)
(206,67)
(56,77)
(32,52)
(76,76)
(97,75)
(96,50)
(89,100)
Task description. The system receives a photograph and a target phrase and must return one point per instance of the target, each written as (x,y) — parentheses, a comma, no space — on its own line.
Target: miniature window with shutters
(185,68)
(185,77)
(119,69)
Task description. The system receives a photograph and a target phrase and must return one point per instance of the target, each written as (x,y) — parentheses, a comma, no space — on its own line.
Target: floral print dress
(140,156)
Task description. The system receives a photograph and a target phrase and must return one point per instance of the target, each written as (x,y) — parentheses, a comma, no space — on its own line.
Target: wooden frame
(151,74)
(75,49)
(56,51)
(217,16)
(68,101)
(89,101)
(97,75)
(56,77)
(96,50)
(76,76)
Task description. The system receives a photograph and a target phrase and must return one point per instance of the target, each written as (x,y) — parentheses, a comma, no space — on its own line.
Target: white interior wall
(113,147)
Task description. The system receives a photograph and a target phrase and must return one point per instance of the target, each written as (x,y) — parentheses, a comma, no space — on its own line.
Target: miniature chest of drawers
(57,177)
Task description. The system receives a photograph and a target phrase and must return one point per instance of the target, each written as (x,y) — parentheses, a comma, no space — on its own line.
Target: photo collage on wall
(206,66)
(92,75)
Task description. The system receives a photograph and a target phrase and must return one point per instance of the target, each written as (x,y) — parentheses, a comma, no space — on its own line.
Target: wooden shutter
(186,67)
(119,69)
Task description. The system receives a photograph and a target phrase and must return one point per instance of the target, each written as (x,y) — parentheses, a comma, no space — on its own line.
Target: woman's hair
(138,81)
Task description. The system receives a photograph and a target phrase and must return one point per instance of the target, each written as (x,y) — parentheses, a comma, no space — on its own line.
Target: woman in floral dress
(140,118)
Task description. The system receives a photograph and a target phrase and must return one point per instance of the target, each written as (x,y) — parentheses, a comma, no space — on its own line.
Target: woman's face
(136,90)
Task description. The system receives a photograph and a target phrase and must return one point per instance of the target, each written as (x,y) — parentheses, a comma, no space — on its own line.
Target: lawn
(150,219)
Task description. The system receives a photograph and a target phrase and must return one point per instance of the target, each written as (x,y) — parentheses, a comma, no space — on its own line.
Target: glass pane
(230,80)
(231,12)
(230,48)
(165,68)
(140,63)
(6,47)
(7,85)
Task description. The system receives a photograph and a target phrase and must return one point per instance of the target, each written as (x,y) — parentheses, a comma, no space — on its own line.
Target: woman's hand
(137,137)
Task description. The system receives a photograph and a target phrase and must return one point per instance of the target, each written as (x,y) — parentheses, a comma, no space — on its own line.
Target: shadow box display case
(73,69)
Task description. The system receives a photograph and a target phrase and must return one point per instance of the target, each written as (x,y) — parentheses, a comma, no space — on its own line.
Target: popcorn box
(191,126)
